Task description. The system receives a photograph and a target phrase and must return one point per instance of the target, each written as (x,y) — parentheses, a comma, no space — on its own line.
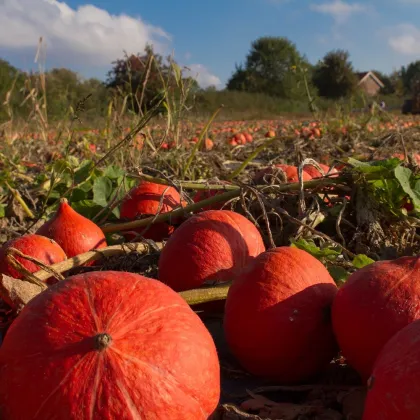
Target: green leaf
(404,177)
(73,161)
(102,189)
(55,194)
(85,186)
(375,166)
(116,212)
(113,172)
(362,260)
(61,165)
(339,274)
(328,253)
(83,173)
(3,210)
(87,208)
(78,195)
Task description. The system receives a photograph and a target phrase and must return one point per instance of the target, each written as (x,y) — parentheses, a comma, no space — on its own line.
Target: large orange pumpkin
(148,199)
(374,304)
(394,387)
(212,246)
(108,345)
(277,321)
(43,249)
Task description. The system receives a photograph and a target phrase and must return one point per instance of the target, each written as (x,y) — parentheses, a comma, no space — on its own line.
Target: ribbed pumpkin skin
(36,246)
(374,304)
(75,233)
(161,363)
(394,387)
(144,200)
(290,171)
(212,246)
(277,321)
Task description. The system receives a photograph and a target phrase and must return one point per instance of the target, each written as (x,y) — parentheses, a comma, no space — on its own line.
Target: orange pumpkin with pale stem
(108,345)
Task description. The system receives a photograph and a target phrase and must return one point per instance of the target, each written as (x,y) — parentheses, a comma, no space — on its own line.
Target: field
(361,206)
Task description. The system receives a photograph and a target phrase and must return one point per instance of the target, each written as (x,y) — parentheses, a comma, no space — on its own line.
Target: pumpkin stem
(102,341)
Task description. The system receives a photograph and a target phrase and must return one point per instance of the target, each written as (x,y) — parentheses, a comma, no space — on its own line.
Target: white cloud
(87,37)
(405,39)
(338,9)
(202,75)
(87,34)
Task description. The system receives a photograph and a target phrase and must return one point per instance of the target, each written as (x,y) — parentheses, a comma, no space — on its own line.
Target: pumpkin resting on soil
(374,304)
(75,233)
(108,345)
(291,173)
(43,249)
(212,246)
(145,200)
(394,387)
(277,320)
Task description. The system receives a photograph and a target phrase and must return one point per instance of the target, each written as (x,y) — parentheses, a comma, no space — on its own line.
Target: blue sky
(208,36)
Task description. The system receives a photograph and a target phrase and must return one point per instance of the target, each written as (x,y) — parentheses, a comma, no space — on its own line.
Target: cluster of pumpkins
(109,344)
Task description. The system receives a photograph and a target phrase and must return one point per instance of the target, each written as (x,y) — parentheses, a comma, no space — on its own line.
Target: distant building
(369,83)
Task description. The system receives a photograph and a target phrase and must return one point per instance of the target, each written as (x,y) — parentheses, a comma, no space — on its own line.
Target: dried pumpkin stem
(206,294)
(94,255)
(39,263)
(27,275)
(293,186)
(186,184)
(102,341)
(20,200)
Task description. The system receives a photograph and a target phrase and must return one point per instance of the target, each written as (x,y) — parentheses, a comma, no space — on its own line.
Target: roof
(366,74)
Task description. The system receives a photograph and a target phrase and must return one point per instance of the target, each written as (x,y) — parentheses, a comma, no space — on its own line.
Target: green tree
(389,85)
(397,82)
(410,75)
(334,76)
(268,69)
(144,77)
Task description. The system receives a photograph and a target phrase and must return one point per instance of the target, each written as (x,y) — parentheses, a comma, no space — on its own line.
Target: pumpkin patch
(129,297)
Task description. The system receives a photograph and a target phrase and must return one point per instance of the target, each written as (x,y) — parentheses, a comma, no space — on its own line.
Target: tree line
(273,68)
